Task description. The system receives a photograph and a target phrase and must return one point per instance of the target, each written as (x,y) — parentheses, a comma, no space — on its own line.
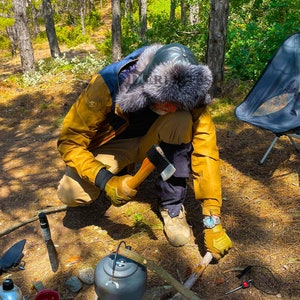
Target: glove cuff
(211,210)
(216,229)
(102,177)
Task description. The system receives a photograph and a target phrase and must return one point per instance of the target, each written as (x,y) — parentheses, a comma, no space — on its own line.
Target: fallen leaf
(219,281)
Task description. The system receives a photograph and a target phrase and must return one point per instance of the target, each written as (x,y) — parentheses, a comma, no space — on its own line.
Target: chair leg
(268,151)
(293,142)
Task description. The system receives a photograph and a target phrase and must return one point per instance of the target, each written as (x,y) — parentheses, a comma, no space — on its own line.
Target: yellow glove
(217,241)
(118,191)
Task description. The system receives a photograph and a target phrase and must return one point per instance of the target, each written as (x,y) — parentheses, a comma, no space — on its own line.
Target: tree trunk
(128,10)
(35,13)
(50,29)
(116,30)
(13,38)
(172,9)
(82,9)
(23,34)
(82,18)
(194,14)
(143,18)
(219,10)
(183,12)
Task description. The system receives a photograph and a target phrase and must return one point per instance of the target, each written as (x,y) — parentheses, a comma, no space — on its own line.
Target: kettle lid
(116,265)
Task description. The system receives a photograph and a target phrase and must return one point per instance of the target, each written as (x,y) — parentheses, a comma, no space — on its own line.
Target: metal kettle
(119,278)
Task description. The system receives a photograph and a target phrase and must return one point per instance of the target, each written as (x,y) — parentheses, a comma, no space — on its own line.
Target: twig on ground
(205,261)
(188,294)
(49,210)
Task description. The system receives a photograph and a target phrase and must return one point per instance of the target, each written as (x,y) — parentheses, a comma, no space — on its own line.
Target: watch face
(211,221)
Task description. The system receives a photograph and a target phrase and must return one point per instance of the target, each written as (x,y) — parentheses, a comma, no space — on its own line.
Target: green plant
(71,35)
(138,218)
(56,67)
(254,34)
(31,78)
(58,122)
(87,65)
(93,20)
(44,106)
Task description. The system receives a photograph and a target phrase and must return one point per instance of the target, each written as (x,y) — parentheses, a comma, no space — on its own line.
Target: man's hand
(217,241)
(118,191)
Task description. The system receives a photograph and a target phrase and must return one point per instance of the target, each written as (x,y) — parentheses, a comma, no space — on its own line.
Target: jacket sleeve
(80,126)
(205,163)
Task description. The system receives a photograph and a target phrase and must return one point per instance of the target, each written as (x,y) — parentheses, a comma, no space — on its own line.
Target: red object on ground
(47,295)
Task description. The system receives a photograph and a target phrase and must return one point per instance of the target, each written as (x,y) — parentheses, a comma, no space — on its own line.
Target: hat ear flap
(205,80)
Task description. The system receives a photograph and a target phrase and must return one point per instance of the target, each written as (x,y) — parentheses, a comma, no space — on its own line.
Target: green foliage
(165,31)
(130,36)
(4,22)
(58,66)
(71,35)
(31,78)
(41,37)
(256,28)
(254,35)
(138,218)
(157,7)
(93,20)
(4,42)
(105,48)
(87,65)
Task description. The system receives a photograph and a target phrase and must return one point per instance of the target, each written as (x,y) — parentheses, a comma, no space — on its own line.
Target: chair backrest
(274,101)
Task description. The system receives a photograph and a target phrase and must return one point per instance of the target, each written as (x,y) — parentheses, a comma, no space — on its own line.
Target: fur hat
(167,73)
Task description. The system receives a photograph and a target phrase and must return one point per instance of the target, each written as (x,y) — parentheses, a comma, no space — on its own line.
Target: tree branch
(188,294)
(49,210)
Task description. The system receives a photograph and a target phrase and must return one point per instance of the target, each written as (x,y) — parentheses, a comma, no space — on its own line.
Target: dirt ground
(261,205)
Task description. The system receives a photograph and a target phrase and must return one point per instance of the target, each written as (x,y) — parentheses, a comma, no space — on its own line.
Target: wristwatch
(211,221)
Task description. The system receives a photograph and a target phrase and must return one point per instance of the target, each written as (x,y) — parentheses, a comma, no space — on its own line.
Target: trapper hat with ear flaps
(171,75)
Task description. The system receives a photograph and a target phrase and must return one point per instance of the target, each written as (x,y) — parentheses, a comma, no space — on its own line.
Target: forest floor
(261,204)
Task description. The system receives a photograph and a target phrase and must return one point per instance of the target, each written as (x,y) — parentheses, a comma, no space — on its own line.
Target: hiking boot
(176,229)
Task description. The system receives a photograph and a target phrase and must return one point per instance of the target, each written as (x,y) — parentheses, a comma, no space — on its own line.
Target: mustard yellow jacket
(94,119)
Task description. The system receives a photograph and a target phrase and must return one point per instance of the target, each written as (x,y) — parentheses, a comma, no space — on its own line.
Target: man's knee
(177,128)
(72,193)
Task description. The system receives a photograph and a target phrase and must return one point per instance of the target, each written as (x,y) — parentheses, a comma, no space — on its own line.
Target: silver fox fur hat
(163,74)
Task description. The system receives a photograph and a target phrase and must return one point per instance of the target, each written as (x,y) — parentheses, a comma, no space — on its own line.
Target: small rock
(230,133)
(86,275)
(74,284)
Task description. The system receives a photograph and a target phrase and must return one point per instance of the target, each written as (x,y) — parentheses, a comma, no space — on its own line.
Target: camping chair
(273,103)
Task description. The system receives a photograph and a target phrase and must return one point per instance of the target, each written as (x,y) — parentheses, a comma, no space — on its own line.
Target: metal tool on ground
(262,278)
(49,243)
(244,285)
(155,159)
(12,257)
